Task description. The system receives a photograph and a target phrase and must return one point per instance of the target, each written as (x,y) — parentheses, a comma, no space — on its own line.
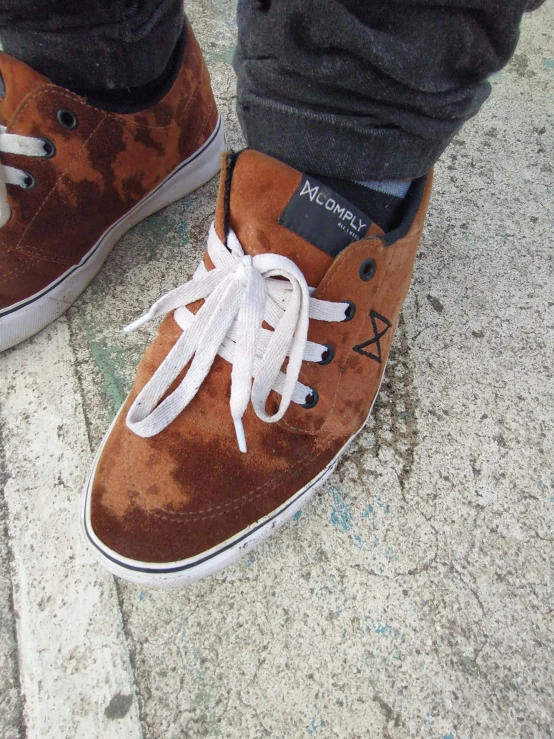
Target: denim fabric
(352,89)
(360,89)
(93,44)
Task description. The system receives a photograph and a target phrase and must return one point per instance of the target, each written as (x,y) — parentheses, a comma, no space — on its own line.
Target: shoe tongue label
(323,217)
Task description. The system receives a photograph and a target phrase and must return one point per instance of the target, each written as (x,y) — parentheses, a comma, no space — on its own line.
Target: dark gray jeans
(357,89)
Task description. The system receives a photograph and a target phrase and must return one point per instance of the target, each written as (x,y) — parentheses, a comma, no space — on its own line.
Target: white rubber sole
(24,319)
(185,572)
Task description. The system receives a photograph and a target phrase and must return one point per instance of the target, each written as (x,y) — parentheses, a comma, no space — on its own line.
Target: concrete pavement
(413,597)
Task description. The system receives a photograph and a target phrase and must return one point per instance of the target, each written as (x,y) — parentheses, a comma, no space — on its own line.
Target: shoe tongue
(17,80)
(274,208)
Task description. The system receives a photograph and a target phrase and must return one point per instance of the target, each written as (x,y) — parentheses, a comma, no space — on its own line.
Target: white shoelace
(12,143)
(240,293)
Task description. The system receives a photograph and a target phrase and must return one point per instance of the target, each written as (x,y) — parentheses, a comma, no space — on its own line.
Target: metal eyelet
(350,311)
(327,355)
(368,268)
(28,181)
(311,399)
(49,149)
(67,118)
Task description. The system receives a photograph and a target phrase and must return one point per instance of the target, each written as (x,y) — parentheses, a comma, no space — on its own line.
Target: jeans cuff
(327,144)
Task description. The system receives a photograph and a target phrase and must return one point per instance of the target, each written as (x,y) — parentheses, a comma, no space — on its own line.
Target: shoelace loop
(240,293)
(12,143)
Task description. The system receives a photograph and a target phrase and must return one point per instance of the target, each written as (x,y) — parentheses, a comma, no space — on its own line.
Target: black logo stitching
(377,336)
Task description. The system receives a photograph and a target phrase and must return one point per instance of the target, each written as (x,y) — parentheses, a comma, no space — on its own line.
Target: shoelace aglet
(239,431)
(137,324)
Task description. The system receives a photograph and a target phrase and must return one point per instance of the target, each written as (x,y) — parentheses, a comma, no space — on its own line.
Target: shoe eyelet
(350,311)
(327,355)
(67,118)
(368,268)
(28,181)
(49,149)
(311,399)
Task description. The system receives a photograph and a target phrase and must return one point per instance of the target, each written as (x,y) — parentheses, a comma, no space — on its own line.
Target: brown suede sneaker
(247,398)
(79,177)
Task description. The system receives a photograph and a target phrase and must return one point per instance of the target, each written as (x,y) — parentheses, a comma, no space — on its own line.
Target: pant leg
(363,89)
(92,44)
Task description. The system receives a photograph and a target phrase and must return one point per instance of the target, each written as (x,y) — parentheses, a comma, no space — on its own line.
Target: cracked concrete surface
(413,597)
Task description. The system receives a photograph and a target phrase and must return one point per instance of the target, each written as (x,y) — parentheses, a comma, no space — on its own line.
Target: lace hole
(49,149)
(311,399)
(327,355)
(67,118)
(28,181)
(349,312)
(367,269)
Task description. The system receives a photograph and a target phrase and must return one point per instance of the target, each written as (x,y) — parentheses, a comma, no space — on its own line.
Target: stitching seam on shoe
(19,270)
(47,198)
(34,251)
(224,507)
(360,331)
(67,94)
(346,263)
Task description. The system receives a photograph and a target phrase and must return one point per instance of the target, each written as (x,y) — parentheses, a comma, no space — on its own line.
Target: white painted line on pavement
(75,671)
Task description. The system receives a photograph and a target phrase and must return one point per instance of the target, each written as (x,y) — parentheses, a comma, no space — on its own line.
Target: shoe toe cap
(189,490)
